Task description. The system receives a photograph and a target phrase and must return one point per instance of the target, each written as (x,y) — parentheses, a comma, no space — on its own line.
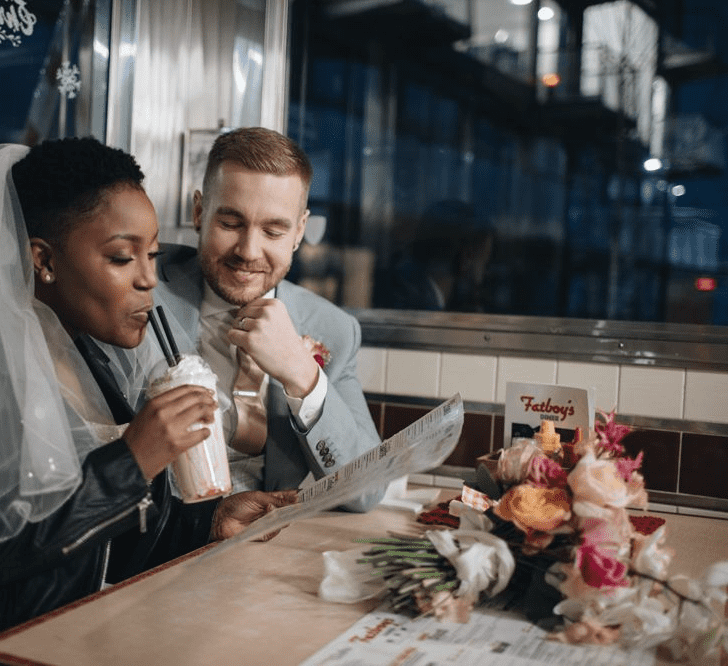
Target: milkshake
(202,471)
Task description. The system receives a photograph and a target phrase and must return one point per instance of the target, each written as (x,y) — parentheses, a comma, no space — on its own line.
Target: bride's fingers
(187,391)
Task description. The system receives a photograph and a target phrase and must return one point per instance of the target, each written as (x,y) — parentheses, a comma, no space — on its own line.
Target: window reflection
(53,61)
(487,156)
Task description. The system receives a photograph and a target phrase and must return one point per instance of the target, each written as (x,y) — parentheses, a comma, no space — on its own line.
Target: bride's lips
(142,316)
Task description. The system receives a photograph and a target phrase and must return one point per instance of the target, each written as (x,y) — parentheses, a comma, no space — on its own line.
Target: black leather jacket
(113,527)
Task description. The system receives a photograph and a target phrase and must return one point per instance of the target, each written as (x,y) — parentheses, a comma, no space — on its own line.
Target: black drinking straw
(170,337)
(160,339)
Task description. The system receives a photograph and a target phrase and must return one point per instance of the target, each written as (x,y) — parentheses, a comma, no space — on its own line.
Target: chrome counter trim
(679,425)
(430,403)
(686,346)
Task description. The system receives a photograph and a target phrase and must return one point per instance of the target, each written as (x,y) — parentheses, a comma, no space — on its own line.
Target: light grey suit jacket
(345,429)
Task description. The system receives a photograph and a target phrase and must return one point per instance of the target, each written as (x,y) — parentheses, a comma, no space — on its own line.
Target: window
(487,157)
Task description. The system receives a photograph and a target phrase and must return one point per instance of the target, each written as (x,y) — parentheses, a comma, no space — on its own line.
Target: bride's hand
(161,429)
(236,512)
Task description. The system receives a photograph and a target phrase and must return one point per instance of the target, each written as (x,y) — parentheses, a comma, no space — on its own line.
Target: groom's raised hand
(264,330)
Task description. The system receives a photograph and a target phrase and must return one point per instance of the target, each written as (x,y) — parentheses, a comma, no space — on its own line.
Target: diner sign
(527,405)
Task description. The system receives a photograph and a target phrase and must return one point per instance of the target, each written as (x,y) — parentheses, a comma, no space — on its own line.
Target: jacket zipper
(105,564)
(141,506)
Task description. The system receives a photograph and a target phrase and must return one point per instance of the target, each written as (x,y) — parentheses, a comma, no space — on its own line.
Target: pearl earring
(47,277)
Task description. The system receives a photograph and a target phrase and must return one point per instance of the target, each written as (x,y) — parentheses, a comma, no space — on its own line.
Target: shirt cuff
(307,410)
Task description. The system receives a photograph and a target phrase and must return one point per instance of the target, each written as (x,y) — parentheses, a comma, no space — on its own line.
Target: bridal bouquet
(549,528)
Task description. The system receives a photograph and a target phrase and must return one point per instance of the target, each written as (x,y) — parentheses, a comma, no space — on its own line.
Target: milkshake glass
(202,471)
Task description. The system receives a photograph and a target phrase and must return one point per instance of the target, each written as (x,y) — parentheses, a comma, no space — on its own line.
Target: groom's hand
(264,330)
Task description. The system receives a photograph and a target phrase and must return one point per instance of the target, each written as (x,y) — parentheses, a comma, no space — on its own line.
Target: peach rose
(535,509)
(597,482)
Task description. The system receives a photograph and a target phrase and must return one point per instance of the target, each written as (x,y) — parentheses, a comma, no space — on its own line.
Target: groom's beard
(226,277)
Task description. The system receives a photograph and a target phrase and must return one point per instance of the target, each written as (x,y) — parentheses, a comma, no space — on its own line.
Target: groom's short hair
(62,181)
(259,150)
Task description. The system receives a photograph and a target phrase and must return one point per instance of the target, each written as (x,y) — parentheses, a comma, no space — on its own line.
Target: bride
(85,499)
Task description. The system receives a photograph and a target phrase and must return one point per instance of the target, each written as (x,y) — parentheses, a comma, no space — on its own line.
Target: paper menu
(423,445)
(489,637)
(528,404)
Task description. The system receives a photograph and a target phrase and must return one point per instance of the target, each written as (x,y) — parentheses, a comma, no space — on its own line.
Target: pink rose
(600,569)
(612,534)
(545,472)
(318,350)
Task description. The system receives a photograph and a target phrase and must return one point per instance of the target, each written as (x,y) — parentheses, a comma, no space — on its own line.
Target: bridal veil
(52,412)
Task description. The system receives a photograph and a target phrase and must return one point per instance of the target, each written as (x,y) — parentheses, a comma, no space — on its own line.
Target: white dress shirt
(216,319)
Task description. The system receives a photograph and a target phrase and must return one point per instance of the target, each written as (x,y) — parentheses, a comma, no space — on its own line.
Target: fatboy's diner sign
(527,405)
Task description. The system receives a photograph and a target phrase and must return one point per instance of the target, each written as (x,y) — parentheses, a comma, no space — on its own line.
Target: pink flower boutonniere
(320,352)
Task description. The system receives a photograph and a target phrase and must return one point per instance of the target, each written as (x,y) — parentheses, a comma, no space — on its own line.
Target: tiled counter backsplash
(679,417)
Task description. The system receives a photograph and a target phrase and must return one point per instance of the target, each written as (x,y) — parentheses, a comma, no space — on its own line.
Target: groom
(299,407)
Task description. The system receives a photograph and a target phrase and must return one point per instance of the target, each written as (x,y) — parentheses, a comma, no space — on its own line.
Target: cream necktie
(252,428)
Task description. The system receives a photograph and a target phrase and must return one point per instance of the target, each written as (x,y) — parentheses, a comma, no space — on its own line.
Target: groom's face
(249,224)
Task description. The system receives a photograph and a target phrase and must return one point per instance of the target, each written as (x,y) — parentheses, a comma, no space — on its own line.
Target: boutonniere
(320,352)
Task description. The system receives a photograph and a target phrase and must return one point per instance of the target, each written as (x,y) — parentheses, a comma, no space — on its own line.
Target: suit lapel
(181,287)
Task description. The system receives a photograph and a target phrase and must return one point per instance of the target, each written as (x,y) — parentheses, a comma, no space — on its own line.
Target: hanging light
(545,13)
(652,164)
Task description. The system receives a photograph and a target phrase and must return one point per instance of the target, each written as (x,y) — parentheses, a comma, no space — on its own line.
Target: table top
(252,603)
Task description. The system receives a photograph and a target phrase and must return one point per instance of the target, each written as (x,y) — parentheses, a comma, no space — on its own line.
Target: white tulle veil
(52,412)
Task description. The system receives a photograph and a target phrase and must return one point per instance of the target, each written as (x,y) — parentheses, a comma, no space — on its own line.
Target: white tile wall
(601,377)
(706,396)
(371,368)
(474,377)
(634,390)
(512,369)
(656,392)
(413,373)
